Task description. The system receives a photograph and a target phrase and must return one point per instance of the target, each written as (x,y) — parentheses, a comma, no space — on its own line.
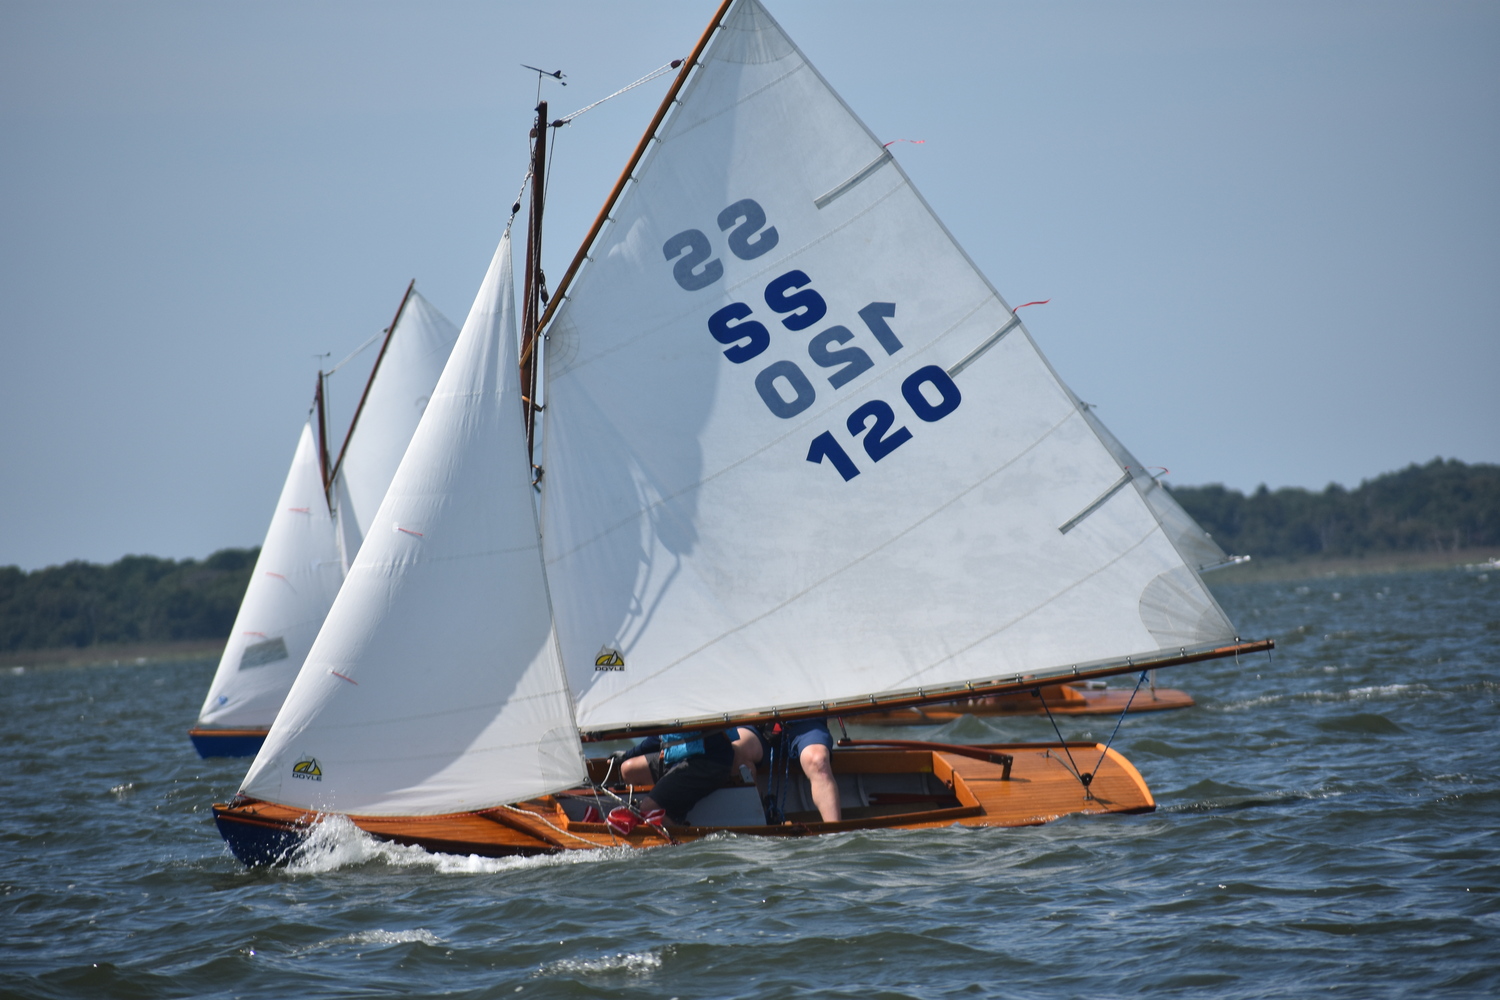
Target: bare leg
(825,790)
(636,771)
(747,749)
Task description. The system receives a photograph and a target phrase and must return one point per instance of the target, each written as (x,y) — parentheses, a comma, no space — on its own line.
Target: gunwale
(1040,788)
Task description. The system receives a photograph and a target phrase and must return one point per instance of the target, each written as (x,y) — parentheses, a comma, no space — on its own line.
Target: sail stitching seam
(1027,614)
(851,564)
(469,707)
(667,132)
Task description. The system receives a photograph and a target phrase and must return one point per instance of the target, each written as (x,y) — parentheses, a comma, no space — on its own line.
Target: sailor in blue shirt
(681,767)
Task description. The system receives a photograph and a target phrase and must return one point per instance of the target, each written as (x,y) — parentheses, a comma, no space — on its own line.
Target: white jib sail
(435,684)
(798,449)
(398,393)
(295,579)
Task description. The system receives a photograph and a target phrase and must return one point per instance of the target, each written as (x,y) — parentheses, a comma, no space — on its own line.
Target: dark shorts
(796,737)
(680,787)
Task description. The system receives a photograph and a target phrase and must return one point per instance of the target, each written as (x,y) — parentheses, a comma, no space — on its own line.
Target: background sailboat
(434,685)
(316,531)
(720,545)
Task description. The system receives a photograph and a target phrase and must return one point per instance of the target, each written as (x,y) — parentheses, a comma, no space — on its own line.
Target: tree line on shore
(137,599)
(1440,506)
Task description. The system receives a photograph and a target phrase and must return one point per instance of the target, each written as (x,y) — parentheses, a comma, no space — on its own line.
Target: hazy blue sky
(1270,232)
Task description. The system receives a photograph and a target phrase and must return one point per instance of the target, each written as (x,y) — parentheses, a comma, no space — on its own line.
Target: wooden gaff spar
(750,513)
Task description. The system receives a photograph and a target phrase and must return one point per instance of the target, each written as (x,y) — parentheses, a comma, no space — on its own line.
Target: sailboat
(797,458)
(316,530)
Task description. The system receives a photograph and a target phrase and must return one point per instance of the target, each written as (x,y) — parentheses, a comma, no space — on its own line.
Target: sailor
(682,767)
(810,744)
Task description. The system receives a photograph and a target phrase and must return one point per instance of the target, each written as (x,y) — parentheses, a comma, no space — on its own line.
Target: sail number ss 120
(929,391)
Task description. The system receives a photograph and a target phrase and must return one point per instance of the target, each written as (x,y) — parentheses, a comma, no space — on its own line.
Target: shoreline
(1284,568)
(111,655)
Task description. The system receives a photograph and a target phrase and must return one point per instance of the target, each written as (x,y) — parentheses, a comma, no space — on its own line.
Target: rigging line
(1107,743)
(1071,765)
(543,819)
(355,352)
(603,785)
(661,71)
(630,165)
(515,206)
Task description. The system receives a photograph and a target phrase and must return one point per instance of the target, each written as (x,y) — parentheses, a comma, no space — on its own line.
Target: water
(1329,823)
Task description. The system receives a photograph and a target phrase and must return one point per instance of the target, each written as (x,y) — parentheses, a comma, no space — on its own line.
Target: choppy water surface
(1329,823)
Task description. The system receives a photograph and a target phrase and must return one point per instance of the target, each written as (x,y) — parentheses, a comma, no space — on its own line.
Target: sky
(1270,232)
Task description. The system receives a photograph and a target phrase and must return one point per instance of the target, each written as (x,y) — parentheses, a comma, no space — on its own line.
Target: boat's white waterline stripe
(994,339)
(1073,521)
(847,186)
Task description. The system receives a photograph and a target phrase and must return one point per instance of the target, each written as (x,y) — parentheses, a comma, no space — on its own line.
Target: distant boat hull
(1060,699)
(227,742)
(882,788)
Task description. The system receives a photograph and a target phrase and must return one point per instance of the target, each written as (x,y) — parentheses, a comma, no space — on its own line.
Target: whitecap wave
(1353,694)
(631,963)
(335,842)
(419,935)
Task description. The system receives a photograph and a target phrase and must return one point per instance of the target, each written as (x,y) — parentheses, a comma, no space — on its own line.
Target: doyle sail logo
(308,769)
(609,658)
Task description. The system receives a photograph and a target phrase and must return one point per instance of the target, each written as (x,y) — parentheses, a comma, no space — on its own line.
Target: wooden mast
(384,344)
(635,158)
(531,300)
(323,439)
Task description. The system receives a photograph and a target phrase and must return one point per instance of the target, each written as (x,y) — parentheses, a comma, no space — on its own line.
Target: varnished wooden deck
(1040,789)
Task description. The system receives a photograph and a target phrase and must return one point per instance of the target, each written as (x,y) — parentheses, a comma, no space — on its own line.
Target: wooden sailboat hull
(881,788)
(1060,699)
(227,742)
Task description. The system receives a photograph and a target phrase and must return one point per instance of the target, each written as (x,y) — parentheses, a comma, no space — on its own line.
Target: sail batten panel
(763,485)
(822,201)
(437,668)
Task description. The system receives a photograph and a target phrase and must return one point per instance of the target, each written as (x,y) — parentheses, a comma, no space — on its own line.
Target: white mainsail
(295,579)
(413,360)
(435,684)
(798,449)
